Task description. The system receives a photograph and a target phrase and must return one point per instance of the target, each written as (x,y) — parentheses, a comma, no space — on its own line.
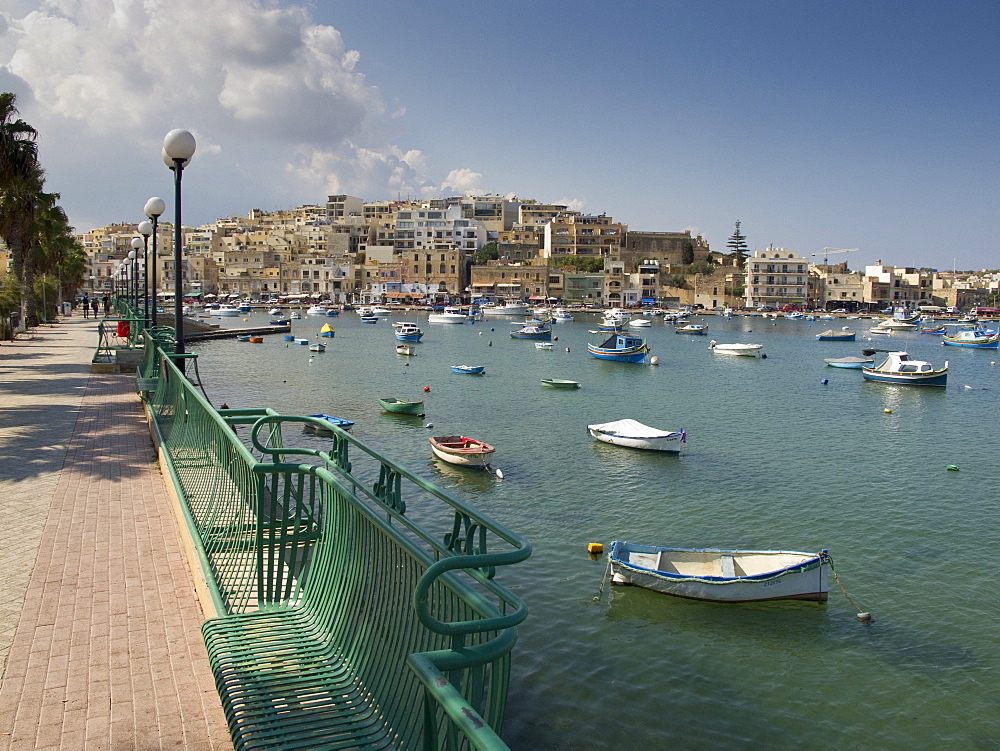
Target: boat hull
(560,383)
(462,451)
(670,444)
(469,369)
(700,574)
(851,363)
(739,350)
(978,342)
(400,407)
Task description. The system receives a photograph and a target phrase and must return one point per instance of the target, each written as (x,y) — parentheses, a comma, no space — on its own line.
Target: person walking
(86,307)
(95,304)
(107,305)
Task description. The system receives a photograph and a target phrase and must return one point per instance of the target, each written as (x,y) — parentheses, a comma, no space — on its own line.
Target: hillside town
(465,250)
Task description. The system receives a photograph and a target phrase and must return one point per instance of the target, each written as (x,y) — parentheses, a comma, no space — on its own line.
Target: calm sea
(775,458)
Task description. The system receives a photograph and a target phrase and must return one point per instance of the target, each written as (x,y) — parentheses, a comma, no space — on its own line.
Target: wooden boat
(740,350)
(853,363)
(280,321)
(401,407)
(463,451)
(296,316)
(243,337)
(620,348)
(326,330)
(406,349)
(691,328)
(317,347)
(547,346)
(560,383)
(369,319)
(900,368)
(407,332)
(722,575)
(880,330)
(930,328)
(313,428)
(533,331)
(635,435)
(830,335)
(469,369)
(256,339)
(973,336)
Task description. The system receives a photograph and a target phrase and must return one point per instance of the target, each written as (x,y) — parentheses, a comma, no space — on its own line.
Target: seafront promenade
(99,622)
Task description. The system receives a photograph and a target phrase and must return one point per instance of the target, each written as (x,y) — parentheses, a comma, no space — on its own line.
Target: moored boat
(547,346)
(227,311)
(462,451)
(243,337)
(326,330)
(448,315)
(560,383)
(533,331)
(691,328)
(407,332)
(722,575)
(317,347)
(509,308)
(369,319)
(469,369)
(401,407)
(831,335)
(256,339)
(900,368)
(973,336)
(620,348)
(634,434)
(406,349)
(739,350)
(319,429)
(852,363)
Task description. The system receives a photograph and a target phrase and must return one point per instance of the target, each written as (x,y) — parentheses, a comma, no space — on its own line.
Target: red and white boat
(463,451)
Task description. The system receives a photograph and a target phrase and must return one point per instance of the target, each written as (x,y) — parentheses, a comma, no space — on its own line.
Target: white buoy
(429,425)
(499,474)
(654,360)
(864,617)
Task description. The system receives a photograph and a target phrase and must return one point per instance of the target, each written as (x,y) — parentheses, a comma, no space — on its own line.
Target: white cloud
(464,181)
(277,102)
(573,204)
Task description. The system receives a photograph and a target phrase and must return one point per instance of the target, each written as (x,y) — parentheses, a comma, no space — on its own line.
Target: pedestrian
(95,304)
(107,305)
(86,307)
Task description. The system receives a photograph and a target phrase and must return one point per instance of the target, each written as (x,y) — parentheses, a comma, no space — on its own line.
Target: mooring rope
(603,581)
(862,615)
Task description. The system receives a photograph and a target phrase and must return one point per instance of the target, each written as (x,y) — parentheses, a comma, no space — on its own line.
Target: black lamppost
(133,256)
(145,229)
(178,148)
(154,207)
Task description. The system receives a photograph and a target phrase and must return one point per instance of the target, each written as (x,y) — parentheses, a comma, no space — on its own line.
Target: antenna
(832,251)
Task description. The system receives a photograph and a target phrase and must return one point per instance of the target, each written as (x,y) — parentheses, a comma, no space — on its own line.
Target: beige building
(776,277)
(582,235)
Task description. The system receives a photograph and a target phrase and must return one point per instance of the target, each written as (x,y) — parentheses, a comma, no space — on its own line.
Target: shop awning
(482,284)
(537,297)
(649,300)
(400,294)
(508,284)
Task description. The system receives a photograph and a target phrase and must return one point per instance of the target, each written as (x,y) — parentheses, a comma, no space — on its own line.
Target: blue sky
(838,124)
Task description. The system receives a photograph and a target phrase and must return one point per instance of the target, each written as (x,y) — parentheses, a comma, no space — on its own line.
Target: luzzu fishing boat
(620,348)
(900,368)
(973,336)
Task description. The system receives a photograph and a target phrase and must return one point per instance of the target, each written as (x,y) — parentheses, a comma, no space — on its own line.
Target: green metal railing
(336,572)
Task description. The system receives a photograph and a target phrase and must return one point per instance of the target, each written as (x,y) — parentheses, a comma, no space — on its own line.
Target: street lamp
(145,229)
(154,207)
(133,287)
(178,148)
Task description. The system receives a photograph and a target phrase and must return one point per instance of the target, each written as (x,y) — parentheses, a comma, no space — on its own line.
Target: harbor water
(781,453)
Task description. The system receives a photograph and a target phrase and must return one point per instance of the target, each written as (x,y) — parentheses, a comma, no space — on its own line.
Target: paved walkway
(99,624)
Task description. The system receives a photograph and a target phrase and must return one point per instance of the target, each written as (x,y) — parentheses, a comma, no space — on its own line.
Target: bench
(728,566)
(355,633)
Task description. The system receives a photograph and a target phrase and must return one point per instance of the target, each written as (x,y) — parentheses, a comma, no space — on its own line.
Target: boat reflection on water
(450,476)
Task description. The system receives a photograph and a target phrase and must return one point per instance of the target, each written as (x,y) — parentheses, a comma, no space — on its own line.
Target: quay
(99,621)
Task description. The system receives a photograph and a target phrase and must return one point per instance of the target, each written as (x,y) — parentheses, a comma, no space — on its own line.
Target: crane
(830,251)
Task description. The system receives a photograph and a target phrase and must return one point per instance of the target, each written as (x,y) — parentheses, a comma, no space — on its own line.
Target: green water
(774,459)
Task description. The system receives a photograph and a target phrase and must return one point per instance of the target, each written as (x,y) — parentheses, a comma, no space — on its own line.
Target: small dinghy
(313,428)
(722,575)
(463,451)
(406,349)
(635,435)
(469,369)
(739,350)
(560,383)
(854,363)
(401,407)
(830,335)
(318,347)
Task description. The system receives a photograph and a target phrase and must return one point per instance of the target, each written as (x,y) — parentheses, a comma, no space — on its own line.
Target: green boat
(560,383)
(400,407)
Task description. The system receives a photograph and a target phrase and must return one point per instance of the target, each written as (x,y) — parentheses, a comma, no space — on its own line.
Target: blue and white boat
(973,336)
(900,368)
(469,369)
(831,335)
(621,348)
(691,328)
(320,429)
(532,331)
(635,435)
(369,319)
(722,575)
(407,332)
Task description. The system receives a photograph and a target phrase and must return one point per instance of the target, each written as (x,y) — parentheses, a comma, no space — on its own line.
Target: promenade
(100,645)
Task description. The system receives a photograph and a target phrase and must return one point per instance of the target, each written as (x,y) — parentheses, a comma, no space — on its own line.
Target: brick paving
(100,645)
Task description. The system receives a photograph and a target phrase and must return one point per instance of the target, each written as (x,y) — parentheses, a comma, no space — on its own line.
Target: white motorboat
(227,311)
(378,310)
(509,308)
(561,315)
(722,575)
(740,350)
(900,368)
(640,323)
(635,435)
(316,310)
(448,315)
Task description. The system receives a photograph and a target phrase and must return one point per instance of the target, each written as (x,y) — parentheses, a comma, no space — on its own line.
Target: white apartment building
(776,277)
(427,228)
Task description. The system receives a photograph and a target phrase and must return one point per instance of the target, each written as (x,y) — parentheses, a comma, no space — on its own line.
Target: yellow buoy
(887,411)
(595,548)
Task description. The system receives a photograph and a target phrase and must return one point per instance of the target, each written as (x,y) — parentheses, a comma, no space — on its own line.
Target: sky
(871,125)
